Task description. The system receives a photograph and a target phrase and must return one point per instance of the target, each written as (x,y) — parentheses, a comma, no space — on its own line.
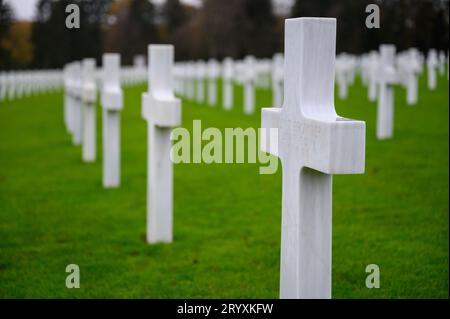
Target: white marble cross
(387,77)
(249,85)
(89,99)
(277,79)
(313,143)
(200,73)
(162,110)
(227,78)
(112,104)
(213,74)
(432,63)
(76,104)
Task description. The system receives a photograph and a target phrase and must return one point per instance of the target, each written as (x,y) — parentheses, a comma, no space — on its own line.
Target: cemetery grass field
(54,211)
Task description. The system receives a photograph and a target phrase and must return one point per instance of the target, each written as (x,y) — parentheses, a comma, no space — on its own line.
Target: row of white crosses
(197,80)
(313,143)
(402,69)
(20,84)
(436,63)
(194,79)
(380,72)
(80,100)
(136,74)
(409,68)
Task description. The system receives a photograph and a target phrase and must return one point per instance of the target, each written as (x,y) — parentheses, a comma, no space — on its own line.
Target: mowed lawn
(54,211)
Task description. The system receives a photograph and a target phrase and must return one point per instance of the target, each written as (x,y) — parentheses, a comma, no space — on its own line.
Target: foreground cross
(162,111)
(313,143)
(112,103)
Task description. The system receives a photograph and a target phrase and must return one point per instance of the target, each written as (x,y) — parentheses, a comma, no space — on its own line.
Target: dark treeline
(219,28)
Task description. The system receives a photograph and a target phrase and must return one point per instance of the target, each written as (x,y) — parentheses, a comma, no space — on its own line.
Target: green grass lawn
(54,211)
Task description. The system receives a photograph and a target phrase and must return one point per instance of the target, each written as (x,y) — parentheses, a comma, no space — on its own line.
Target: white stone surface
(24,83)
(89,98)
(313,143)
(112,104)
(387,77)
(162,111)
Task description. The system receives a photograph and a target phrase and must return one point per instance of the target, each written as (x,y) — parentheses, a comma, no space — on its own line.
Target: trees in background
(55,44)
(131,28)
(232,28)
(219,28)
(6,19)
(423,24)
(259,29)
(18,44)
(174,14)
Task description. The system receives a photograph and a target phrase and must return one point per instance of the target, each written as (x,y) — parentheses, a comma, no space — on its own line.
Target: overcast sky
(24,9)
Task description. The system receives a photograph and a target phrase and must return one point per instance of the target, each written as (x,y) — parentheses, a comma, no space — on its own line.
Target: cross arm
(331,145)
(112,98)
(163,111)
(270,118)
